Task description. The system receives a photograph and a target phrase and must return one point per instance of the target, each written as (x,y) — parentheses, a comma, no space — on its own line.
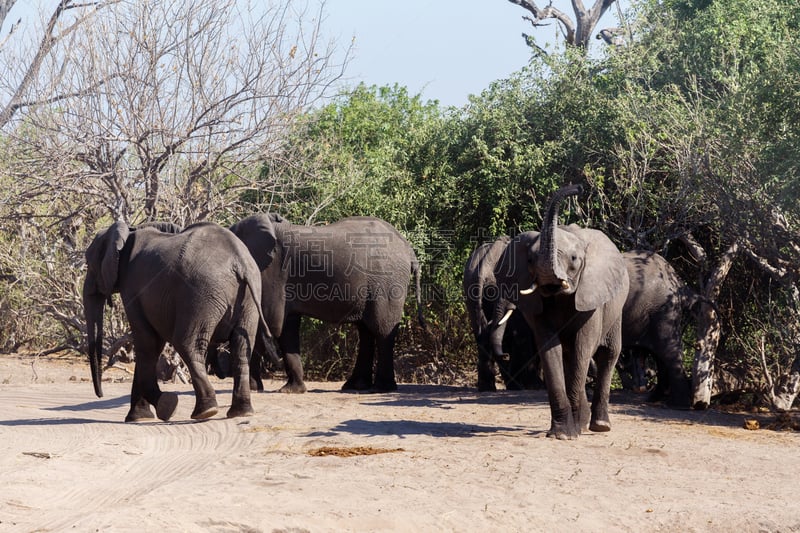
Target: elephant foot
(679,396)
(205,409)
(357,384)
(679,405)
(600,426)
(563,431)
(237,410)
(384,387)
(256,385)
(165,407)
(656,395)
(139,413)
(486,385)
(293,388)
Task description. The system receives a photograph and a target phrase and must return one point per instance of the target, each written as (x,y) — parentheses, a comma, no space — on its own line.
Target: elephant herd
(565,298)
(248,285)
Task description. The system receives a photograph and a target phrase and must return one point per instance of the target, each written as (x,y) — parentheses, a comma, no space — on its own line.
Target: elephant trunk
(502,313)
(93,310)
(549,267)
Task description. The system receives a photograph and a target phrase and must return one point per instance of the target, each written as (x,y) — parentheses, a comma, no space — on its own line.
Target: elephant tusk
(529,290)
(505,317)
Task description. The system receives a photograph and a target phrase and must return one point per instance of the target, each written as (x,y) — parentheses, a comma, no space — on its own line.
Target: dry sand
(427,458)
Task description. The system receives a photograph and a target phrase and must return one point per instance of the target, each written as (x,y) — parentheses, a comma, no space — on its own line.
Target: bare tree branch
(576,33)
(5,8)
(46,45)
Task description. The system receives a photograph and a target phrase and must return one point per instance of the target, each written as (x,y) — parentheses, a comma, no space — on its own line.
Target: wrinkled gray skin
(509,345)
(651,322)
(579,284)
(355,270)
(194,289)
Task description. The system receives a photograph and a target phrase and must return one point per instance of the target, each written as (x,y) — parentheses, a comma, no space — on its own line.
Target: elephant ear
(604,273)
(115,238)
(511,272)
(257,232)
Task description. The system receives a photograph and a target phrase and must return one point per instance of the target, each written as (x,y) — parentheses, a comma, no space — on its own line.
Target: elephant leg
(672,381)
(524,361)
(256,360)
(606,360)
(562,424)
(145,390)
(384,367)
(576,368)
(486,374)
(493,341)
(140,407)
(213,363)
(193,354)
(290,347)
(361,377)
(661,388)
(241,345)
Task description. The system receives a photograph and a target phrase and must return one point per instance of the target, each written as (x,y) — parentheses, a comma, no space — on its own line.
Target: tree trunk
(787,386)
(708,332)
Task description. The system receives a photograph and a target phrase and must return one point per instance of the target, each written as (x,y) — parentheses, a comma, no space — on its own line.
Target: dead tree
(577,32)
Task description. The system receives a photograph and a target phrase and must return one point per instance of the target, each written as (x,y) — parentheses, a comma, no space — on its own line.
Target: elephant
(570,283)
(509,344)
(355,270)
(194,289)
(651,322)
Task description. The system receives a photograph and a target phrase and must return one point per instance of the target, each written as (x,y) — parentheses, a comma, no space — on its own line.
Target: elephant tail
(267,343)
(263,335)
(262,322)
(416,270)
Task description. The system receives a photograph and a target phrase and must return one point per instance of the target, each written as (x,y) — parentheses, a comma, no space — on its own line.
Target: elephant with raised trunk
(194,289)
(652,322)
(570,284)
(355,270)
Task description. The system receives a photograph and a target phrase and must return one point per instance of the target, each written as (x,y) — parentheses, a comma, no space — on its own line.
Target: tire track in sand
(126,463)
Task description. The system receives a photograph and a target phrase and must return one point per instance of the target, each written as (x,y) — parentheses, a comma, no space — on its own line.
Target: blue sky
(443,49)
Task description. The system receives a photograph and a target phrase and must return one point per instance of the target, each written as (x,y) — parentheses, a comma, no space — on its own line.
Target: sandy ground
(427,458)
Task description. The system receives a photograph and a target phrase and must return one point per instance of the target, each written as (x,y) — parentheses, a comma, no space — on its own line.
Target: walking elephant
(509,344)
(652,322)
(194,289)
(355,270)
(570,283)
